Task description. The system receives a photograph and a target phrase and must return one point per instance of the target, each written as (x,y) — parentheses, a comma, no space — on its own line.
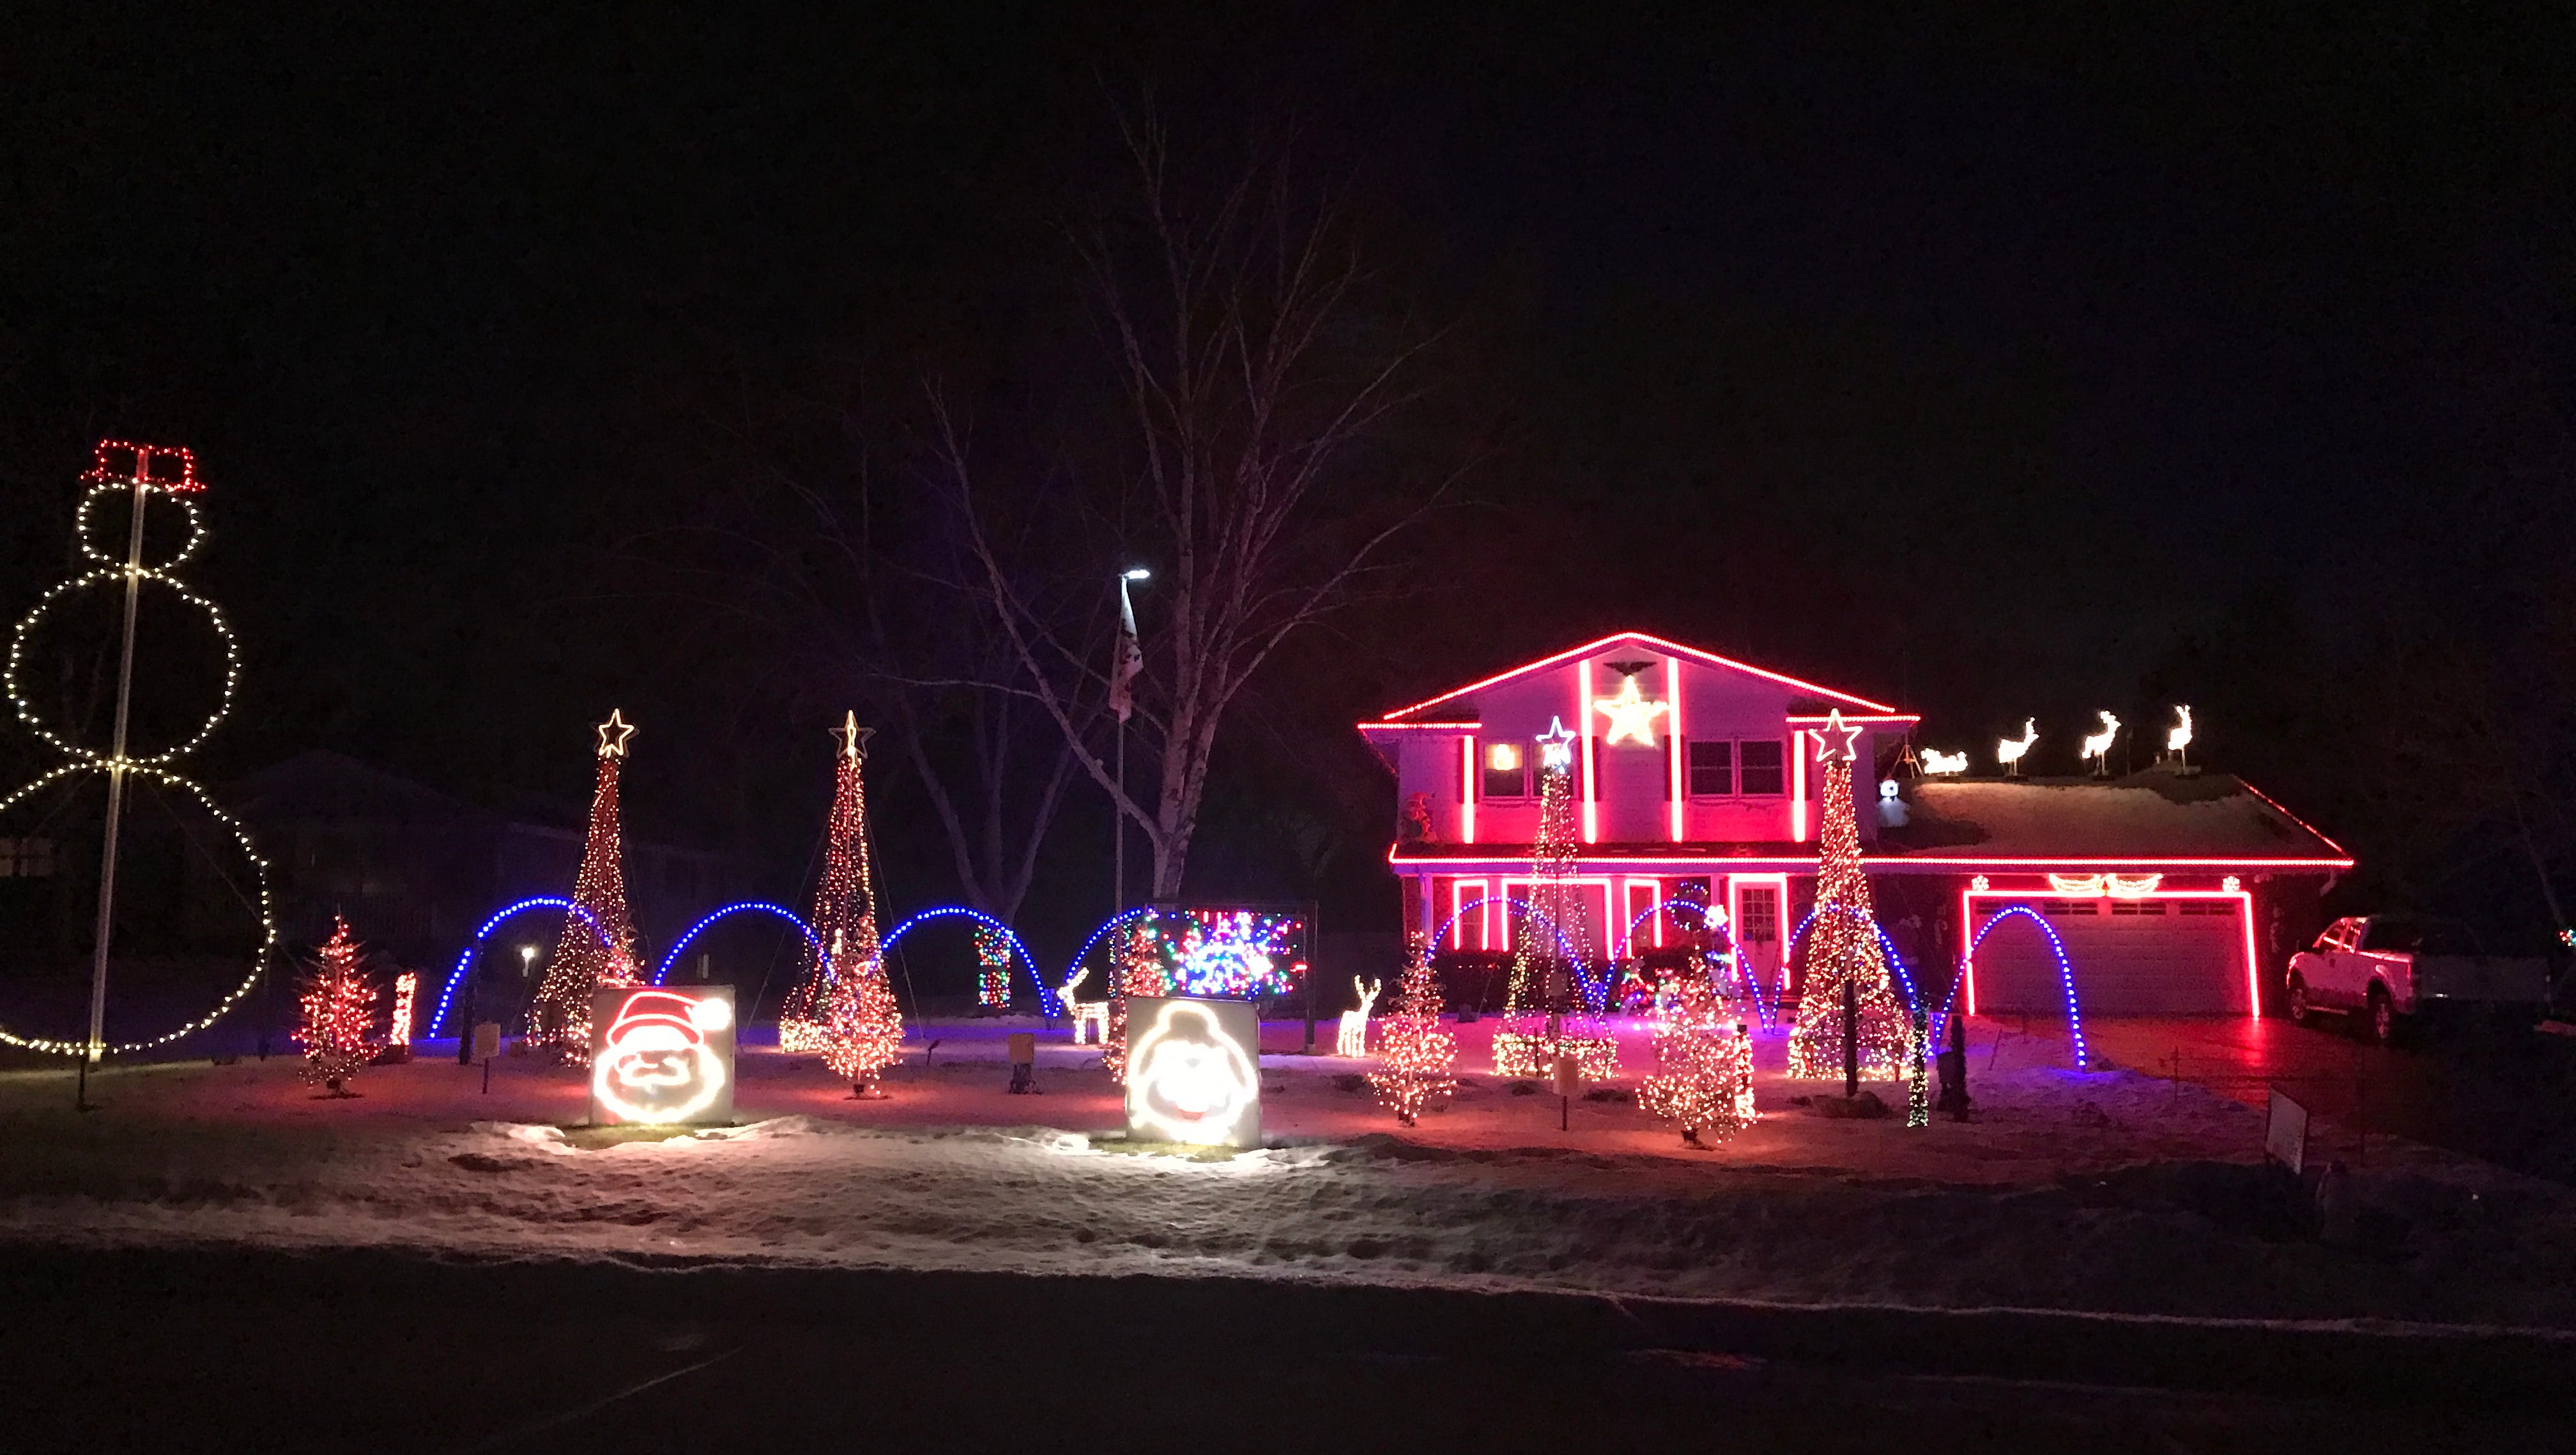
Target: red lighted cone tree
(587,958)
(1140,972)
(337,1010)
(1843,946)
(852,1017)
(1703,1061)
(844,897)
(1414,1054)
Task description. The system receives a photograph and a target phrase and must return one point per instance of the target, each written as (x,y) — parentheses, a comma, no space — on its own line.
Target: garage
(2154,956)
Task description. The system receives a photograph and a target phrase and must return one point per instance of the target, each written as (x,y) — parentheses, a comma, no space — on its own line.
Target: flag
(1130,659)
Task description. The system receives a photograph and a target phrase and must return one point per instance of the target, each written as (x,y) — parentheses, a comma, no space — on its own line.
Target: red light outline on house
(1676,648)
(1673,746)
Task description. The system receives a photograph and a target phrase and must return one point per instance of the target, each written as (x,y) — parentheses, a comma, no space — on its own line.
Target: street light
(527,961)
(1130,656)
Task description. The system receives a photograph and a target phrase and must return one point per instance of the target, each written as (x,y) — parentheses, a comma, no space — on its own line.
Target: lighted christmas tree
(1843,946)
(993,969)
(338,1008)
(1703,1076)
(1140,972)
(844,897)
(1543,1012)
(1414,1054)
(586,958)
(859,1029)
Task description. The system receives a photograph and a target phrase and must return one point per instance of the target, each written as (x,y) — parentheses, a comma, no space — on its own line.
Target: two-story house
(2168,892)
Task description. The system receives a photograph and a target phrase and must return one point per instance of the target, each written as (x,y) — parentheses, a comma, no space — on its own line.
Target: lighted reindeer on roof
(2008,753)
(2097,746)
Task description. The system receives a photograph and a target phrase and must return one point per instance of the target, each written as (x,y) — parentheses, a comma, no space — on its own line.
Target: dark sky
(2007,366)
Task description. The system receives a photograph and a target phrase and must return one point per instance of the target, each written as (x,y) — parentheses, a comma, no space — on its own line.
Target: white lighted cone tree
(48,690)
(1544,1013)
(586,959)
(1842,943)
(1703,1078)
(336,1012)
(1414,1054)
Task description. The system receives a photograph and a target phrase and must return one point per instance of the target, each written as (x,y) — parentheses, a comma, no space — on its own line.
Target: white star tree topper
(1556,745)
(1829,751)
(614,733)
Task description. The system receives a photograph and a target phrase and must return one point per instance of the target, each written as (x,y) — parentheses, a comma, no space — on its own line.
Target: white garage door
(2130,957)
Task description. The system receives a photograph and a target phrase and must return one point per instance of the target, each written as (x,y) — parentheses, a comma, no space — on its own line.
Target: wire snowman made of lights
(145,475)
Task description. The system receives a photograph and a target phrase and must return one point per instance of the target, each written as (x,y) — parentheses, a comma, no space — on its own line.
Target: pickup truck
(2391,968)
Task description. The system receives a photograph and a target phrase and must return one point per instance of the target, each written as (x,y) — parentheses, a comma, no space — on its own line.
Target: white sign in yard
(1193,1071)
(2285,1133)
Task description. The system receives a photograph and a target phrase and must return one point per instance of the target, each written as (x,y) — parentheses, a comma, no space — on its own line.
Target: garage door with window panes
(2130,957)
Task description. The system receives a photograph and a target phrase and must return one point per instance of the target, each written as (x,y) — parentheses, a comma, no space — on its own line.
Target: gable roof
(1406,716)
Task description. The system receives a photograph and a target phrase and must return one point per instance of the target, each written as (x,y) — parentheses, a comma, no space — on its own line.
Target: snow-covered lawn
(2109,1191)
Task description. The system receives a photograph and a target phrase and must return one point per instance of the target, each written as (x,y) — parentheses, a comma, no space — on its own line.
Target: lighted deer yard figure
(2008,753)
(1091,1013)
(2097,746)
(1354,1037)
(2178,737)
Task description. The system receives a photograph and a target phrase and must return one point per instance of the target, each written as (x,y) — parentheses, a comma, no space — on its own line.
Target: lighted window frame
(1497,782)
(1729,761)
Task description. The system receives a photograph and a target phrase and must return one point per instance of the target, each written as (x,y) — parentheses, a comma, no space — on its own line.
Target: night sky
(2002,367)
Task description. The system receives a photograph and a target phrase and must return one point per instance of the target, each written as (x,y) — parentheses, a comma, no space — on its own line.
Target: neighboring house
(417,871)
(2171,891)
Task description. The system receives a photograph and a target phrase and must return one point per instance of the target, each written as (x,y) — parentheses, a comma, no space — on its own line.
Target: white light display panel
(1193,1071)
(662,1055)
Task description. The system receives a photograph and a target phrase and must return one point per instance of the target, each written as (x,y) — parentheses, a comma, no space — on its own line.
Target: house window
(1758,920)
(1506,771)
(1712,768)
(1762,768)
(26,858)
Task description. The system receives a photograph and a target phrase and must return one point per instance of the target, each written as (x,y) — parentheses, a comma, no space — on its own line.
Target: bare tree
(1256,379)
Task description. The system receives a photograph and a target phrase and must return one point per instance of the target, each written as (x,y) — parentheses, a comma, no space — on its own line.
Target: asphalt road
(166,1352)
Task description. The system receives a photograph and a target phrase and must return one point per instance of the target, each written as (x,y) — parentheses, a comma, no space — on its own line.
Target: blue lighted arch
(1046,995)
(663,972)
(465,958)
(1895,962)
(1097,934)
(2065,969)
(1659,906)
(1563,945)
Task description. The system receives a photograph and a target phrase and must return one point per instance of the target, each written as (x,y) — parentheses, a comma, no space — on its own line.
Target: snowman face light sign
(1192,1071)
(662,1055)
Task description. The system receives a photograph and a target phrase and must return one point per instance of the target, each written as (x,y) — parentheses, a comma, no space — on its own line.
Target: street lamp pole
(1122,676)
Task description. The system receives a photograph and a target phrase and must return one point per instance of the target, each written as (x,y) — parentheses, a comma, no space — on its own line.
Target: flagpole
(1122,675)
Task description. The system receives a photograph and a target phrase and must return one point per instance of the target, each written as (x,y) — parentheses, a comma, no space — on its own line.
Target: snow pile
(2106,1191)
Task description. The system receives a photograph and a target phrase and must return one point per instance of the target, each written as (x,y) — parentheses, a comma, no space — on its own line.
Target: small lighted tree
(1414,1054)
(1703,1076)
(863,1033)
(337,1010)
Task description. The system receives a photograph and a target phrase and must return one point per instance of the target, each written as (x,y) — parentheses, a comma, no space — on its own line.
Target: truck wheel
(2302,1011)
(2383,1017)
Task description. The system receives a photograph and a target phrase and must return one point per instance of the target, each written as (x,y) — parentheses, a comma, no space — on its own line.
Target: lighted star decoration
(613,735)
(852,737)
(1632,717)
(1556,745)
(1829,751)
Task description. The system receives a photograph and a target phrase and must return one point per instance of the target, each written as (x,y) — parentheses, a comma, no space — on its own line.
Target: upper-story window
(1506,772)
(1736,767)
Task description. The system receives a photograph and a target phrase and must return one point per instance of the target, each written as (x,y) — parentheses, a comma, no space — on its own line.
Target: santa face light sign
(662,1055)
(1193,1071)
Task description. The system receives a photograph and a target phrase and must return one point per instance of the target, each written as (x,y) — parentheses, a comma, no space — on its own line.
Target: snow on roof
(2150,815)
